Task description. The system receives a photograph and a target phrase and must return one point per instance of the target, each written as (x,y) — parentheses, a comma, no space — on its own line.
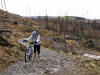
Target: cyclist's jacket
(36,40)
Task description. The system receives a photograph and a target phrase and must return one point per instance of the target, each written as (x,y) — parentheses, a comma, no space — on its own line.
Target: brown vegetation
(81,28)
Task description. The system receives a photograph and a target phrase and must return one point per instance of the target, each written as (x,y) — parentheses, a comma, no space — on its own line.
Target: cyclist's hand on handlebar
(25,41)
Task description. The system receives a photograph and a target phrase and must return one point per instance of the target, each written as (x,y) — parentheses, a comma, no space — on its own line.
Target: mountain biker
(36,41)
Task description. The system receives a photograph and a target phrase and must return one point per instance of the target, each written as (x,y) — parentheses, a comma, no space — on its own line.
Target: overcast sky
(83,8)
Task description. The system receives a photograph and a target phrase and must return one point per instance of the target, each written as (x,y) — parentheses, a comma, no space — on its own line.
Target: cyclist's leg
(38,50)
(35,50)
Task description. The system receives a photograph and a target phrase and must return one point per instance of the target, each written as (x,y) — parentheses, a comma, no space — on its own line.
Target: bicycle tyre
(28,58)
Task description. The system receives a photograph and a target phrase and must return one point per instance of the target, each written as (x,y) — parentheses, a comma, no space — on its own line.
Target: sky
(81,8)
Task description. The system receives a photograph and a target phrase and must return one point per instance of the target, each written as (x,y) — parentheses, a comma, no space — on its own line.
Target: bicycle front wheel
(28,58)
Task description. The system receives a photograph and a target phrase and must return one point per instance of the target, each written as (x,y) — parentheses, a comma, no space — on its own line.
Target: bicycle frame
(28,53)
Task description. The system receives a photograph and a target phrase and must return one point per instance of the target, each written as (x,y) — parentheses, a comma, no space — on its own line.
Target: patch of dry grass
(93,66)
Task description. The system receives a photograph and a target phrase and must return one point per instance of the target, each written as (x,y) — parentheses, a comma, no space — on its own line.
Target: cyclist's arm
(38,39)
(30,37)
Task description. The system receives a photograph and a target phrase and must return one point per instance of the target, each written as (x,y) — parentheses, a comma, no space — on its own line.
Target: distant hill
(80,18)
(70,17)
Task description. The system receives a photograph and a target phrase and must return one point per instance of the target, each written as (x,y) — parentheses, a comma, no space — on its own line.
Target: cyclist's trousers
(37,48)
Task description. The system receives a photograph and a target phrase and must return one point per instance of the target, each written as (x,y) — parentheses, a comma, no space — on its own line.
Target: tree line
(65,24)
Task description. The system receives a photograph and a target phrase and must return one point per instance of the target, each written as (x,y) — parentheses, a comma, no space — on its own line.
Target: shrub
(15,22)
(4,42)
(78,34)
(26,29)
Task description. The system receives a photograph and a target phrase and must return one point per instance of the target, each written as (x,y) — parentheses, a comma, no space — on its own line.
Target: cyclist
(36,41)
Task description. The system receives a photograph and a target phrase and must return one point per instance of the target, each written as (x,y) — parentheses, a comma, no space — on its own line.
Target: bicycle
(29,52)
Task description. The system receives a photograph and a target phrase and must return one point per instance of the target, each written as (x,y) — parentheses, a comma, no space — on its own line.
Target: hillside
(10,50)
(14,27)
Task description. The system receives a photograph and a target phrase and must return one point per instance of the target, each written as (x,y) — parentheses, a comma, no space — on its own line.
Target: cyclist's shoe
(39,57)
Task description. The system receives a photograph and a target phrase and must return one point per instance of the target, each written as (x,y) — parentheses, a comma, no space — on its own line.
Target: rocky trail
(50,63)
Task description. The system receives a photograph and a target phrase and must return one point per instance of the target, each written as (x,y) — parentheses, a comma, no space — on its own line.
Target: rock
(67,37)
(72,37)
(70,53)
